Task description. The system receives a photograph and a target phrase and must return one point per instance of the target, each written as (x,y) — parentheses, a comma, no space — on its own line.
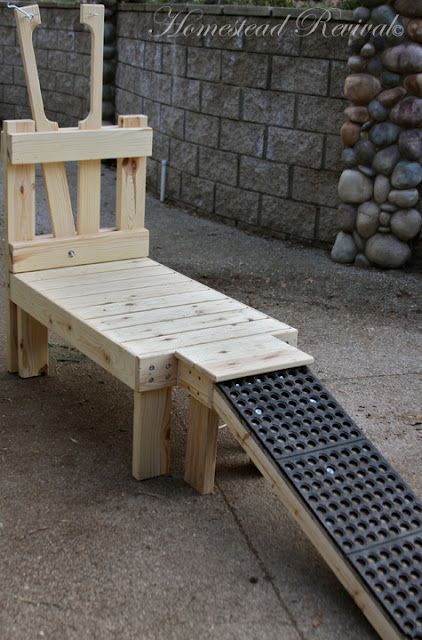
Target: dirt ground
(87,552)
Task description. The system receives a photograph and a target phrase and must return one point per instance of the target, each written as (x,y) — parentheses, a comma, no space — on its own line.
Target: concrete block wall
(249,126)
(62,51)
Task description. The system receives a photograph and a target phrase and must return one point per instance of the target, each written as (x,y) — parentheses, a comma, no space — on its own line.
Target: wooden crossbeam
(73,144)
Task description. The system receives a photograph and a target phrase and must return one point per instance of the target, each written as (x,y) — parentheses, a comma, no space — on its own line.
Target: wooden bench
(146,324)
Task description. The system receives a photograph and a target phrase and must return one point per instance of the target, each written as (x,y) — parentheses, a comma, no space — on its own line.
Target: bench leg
(32,346)
(201,450)
(151,433)
(12,336)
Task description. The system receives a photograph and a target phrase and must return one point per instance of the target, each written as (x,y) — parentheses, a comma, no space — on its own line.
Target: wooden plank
(151,434)
(33,346)
(88,269)
(319,538)
(119,361)
(73,145)
(133,297)
(242,357)
(203,337)
(80,290)
(130,182)
(55,179)
(19,224)
(55,284)
(198,385)
(168,301)
(164,313)
(60,252)
(89,171)
(201,449)
(176,327)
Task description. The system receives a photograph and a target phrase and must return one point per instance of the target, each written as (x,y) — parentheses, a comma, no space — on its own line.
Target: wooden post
(32,346)
(19,225)
(130,183)
(151,433)
(201,450)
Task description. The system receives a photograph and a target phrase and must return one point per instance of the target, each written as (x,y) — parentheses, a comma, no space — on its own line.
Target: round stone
(404,198)
(354,187)
(386,159)
(367,171)
(377,111)
(344,249)
(362,261)
(361,88)
(408,8)
(413,84)
(381,189)
(406,175)
(385,219)
(406,224)
(361,14)
(387,206)
(410,144)
(357,39)
(384,14)
(367,219)
(348,157)
(408,112)
(357,114)
(414,30)
(356,63)
(365,151)
(389,79)
(385,250)
(350,133)
(359,242)
(405,58)
(368,50)
(346,217)
(384,134)
(374,66)
(390,97)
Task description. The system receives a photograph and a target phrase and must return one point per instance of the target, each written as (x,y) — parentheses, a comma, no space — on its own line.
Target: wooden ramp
(360,515)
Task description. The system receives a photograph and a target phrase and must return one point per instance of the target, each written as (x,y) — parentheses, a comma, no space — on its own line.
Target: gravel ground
(87,552)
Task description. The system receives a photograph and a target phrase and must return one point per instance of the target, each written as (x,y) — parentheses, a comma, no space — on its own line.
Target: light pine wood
(18,224)
(242,357)
(106,246)
(89,171)
(201,449)
(151,434)
(89,270)
(32,346)
(119,361)
(73,145)
(328,550)
(55,179)
(130,183)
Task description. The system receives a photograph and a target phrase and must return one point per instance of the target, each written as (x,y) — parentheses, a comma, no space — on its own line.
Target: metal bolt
(151,367)
(330,470)
(258,412)
(151,380)
(71,253)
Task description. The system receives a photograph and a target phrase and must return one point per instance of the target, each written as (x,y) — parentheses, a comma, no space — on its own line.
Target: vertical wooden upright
(151,433)
(201,450)
(24,335)
(130,183)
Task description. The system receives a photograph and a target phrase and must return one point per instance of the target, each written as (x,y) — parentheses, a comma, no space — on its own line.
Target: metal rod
(163,180)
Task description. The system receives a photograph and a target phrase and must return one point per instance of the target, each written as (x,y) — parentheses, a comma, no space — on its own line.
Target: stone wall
(62,50)
(381,187)
(249,126)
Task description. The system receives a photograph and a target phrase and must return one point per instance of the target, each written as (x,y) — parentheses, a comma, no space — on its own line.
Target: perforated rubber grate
(365,507)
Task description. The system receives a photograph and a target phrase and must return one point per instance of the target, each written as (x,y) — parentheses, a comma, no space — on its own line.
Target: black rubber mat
(361,502)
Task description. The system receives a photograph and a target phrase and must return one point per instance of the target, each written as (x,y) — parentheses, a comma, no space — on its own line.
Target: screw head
(71,253)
